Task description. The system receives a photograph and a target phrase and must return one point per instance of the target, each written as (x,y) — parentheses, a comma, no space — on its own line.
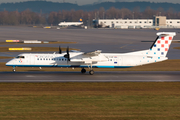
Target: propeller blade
(67,50)
(60,51)
(67,55)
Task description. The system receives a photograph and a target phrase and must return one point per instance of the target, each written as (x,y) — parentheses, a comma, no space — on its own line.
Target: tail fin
(162,43)
(80,20)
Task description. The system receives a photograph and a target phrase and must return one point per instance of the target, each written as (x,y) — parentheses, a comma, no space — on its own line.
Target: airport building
(157,21)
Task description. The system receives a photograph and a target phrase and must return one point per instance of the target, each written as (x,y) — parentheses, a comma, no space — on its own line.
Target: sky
(82,2)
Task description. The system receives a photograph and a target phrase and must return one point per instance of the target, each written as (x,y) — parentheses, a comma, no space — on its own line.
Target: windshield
(20,57)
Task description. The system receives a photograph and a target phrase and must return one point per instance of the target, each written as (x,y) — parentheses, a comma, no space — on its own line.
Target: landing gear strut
(83,70)
(91,72)
(14,70)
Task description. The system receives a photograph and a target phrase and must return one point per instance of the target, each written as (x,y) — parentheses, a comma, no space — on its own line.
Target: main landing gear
(83,70)
(91,72)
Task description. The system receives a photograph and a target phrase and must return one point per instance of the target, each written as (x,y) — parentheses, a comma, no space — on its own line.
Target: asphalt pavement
(107,76)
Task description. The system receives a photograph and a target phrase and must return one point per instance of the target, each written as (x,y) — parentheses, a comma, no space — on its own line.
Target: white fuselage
(103,60)
(70,23)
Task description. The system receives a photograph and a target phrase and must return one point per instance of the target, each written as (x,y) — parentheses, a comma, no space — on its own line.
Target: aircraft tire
(83,71)
(91,72)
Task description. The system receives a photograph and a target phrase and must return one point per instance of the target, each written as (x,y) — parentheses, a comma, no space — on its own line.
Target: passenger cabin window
(20,57)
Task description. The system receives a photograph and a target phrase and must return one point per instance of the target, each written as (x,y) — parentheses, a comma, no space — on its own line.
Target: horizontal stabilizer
(166,33)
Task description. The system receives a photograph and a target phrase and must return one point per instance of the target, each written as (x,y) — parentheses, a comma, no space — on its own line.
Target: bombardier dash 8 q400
(96,59)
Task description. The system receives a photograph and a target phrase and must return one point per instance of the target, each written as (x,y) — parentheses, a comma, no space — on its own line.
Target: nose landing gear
(14,70)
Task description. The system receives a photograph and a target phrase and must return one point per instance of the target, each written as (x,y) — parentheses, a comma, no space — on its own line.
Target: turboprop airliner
(96,59)
(71,23)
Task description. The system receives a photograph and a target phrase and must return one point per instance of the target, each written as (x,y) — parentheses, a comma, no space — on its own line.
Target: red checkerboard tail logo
(162,43)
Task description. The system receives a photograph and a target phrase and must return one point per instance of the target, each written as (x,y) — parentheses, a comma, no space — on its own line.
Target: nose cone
(7,64)
(10,63)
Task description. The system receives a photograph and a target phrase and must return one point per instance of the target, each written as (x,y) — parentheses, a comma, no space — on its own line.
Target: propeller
(67,55)
(60,51)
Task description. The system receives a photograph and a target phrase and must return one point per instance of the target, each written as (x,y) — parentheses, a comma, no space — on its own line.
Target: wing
(94,53)
(90,57)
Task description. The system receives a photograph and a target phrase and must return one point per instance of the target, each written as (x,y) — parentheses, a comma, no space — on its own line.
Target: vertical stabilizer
(80,20)
(162,43)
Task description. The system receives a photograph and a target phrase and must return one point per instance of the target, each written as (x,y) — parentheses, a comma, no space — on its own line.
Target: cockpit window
(20,57)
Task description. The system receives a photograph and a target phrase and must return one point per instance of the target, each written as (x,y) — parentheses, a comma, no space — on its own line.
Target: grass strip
(176,47)
(168,65)
(5,57)
(86,101)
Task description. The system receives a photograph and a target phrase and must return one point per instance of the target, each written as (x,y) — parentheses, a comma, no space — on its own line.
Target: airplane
(71,23)
(96,59)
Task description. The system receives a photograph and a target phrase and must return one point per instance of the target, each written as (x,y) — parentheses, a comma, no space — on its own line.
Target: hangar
(157,21)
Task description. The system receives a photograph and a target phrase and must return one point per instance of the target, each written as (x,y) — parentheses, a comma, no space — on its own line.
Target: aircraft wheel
(83,71)
(91,72)
(14,70)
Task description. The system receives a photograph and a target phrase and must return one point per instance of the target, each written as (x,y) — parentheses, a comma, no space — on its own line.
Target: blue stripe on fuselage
(81,66)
